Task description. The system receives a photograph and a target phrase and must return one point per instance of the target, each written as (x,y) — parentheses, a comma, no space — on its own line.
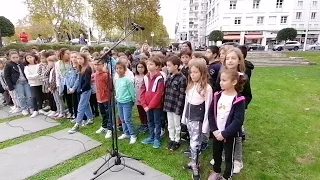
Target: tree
(216,35)
(54,12)
(6,28)
(286,34)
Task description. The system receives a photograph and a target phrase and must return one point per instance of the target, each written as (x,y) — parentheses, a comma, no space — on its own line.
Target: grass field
(282,127)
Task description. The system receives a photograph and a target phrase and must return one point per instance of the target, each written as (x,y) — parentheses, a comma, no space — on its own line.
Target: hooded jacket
(235,118)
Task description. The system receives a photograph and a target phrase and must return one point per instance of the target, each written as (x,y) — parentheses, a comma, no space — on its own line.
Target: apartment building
(258,21)
(191,22)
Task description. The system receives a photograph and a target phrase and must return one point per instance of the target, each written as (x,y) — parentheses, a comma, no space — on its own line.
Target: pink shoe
(56,115)
(61,116)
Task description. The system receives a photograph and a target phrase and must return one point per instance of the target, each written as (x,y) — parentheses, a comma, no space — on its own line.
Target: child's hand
(146,109)
(215,133)
(220,137)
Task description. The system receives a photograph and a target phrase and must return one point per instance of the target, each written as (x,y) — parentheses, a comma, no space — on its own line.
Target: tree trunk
(1,39)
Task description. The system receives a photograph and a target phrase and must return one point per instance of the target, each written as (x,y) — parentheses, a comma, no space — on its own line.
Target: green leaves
(6,27)
(216,35)
(286,34)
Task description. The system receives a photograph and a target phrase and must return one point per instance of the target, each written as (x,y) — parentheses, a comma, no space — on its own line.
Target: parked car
(235,44)
(289,45)
(255,47)
(314,47)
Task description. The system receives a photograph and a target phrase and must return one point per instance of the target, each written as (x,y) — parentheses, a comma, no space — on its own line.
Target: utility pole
(307,30)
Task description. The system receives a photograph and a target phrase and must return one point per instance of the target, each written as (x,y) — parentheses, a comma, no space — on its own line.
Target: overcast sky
(15,9)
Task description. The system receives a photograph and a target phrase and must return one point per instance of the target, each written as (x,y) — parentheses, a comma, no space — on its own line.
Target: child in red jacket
(152,91)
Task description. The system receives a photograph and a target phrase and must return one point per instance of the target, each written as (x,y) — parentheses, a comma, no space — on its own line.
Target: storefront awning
(232,37)
(253,36)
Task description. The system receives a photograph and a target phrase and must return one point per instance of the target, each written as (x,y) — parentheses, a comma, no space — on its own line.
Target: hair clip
(241,74)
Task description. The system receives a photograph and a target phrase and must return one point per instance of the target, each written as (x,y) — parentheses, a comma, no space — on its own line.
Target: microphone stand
(114,152)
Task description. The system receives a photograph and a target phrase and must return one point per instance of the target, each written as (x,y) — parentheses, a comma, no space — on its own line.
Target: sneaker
(56,115)
(170,144)
(204,146)
(123,136)
(195,173)
(143,128)
(60,116)
(120,128)
(34,114)
(74,129)
(212,162)
(163,131)
(147,141)
(16,110)
(72,120)
(175,146)
(188,166)
(13,107)
(51,114)
(133,139)
(108,134)
(187,151)
(214,176)
(101,130)
(25,112)
(156,144)
(41,111)
(84,123)
(89,121)
(237,166)
(69,116)
(185,137)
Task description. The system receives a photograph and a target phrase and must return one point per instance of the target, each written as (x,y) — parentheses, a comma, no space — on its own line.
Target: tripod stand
(114,153)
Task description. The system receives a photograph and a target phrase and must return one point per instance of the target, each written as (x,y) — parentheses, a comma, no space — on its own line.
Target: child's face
(73,57)
(171,67)
(15,58)
(43,59)
(124,60)
(195,74)
(66,55)
(226,82)
(151,66)
(80,60)
(140,69)
(232,61)
(120,70)
(222,55)
(98,66)
(30,59)
(185,59)
(209,54)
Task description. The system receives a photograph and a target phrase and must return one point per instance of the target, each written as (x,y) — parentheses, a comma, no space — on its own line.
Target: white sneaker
(163,131)
(74,129)
(16,110)
(41,111)
(108,134)
(212,162)
(123,136)
(101,130)
(13,107)
(133,139)
(60,116)
(34,114)
(237,166)
(88,122)
(25,112)
(52,113)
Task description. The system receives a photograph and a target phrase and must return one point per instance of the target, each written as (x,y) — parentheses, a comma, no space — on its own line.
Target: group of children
(196,95)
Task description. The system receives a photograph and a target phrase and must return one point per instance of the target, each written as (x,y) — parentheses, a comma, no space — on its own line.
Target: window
(315,25)
(314,3)
(191,1)
(233,4)
(256,4)
(213,12)
(272,20)
(300,3)
(184,8)
(237,20)
(301,25)
(279,3)
(284,19)
(260,20)
(298,15)
(313,15)
(196,8)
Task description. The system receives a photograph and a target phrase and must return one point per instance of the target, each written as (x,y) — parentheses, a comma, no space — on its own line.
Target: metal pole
(307,30)
(88,21)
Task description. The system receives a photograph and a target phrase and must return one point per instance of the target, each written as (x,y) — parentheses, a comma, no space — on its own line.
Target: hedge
(47,46)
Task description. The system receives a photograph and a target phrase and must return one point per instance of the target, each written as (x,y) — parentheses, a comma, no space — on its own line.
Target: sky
(15,10)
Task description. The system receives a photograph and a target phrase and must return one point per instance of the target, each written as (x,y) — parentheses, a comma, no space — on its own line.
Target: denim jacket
(72,78)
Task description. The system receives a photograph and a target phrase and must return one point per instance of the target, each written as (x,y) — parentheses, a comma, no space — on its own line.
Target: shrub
(47,46)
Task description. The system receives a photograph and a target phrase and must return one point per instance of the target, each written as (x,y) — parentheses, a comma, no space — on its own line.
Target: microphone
(137,26)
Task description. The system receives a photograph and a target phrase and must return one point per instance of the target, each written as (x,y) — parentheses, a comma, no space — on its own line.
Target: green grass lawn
(282,127)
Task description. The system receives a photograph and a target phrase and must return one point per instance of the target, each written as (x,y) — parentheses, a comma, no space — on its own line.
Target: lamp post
(88,21)
(152,35)
(307,30)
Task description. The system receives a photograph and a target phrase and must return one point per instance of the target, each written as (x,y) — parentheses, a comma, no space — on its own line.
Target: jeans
(37,97)
(84,107)
(125,112)
(24,95)
(154,123)
(106,118)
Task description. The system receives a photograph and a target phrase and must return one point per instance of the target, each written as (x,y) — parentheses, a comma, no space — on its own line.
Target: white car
(314,47)
(289,45)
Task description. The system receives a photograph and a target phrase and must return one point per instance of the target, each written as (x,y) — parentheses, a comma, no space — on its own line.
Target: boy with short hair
(185,57)
(151,98)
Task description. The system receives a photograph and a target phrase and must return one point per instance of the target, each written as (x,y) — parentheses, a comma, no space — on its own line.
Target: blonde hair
(238,52)
(200,64)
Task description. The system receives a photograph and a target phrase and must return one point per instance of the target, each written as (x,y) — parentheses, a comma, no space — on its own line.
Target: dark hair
(12,53)
(163,51)
(119,63)
(156,60)
(200,55)
(235,75)
(214,50)
(244,50)
(144,66)
(185,52)
(175,60)
(62,51)
(188,44)
(147,53)
(129,55)
(36,58)
(48,53)
(35,47)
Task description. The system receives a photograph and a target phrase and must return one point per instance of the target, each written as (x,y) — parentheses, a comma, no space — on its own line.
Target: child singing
(138,81)
(195,113)
(225,120)
(174,100)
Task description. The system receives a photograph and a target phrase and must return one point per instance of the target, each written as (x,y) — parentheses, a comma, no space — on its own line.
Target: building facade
(191,22)
(258,21)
